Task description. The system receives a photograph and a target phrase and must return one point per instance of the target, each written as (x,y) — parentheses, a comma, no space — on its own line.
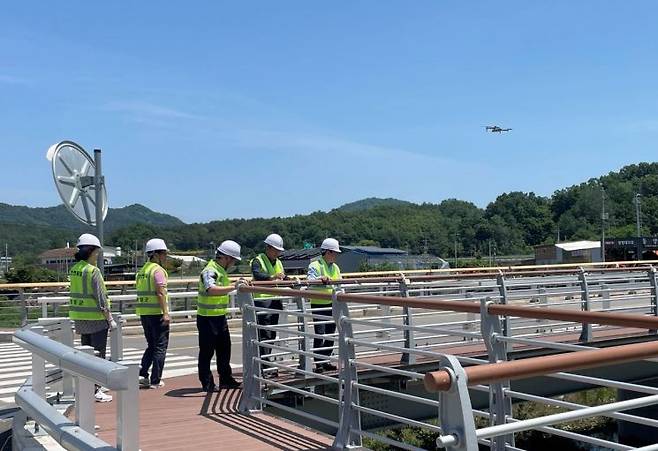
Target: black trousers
(214,339)
(321,329)
(157,341)
(97,340)
(267,319)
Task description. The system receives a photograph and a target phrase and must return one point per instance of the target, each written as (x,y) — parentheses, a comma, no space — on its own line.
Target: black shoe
(319,369)
(209,388)
(231,383)
(271,374)
(329,367)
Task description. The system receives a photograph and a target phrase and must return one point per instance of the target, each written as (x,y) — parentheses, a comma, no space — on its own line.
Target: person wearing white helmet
(153,311)
(267,266)
(324,269)
(89,306)
(212,306)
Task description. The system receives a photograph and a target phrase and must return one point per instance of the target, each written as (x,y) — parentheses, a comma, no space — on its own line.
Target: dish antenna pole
(76,175)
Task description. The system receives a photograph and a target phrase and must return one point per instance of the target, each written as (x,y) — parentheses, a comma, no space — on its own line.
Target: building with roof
(62,259)
(353,258)
(568,252)
(633,248)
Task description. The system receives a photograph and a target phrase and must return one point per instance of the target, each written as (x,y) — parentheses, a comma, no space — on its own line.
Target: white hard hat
(155,244)
(230,248)
(330,244)
(275,241)
(87,239)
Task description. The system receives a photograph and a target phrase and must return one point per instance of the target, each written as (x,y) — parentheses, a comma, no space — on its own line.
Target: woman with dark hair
(90,306)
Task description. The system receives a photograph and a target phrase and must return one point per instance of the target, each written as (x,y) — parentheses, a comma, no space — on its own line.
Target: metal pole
(639,227)
(98,185)
(637,214)
(602,224)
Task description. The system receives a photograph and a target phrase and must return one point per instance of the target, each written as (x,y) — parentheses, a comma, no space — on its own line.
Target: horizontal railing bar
(400,395)
(101,371)
(61,429)
(385,369)
(299,391)
(628,320)
(297,412)
(396,418)
(388,441)
(537,366)
(504,429)
(574,406)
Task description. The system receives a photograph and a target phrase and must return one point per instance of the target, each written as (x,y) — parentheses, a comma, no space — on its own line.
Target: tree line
(512,224)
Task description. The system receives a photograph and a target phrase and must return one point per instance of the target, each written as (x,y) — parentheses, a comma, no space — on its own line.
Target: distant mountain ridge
(60,218)
(372,202)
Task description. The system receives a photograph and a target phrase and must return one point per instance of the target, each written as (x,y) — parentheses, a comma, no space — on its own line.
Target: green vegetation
(372,202)
(534,440)
(512,224)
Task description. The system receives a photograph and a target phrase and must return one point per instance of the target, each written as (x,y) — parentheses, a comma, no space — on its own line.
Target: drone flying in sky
(496,129)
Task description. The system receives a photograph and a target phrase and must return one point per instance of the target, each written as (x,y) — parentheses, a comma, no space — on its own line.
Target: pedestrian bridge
(448,353)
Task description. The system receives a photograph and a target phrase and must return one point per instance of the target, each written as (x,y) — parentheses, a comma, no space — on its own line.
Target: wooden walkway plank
(181,416)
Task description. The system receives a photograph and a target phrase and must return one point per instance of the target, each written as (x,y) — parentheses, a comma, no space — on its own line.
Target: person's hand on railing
(324,279)
(241,281)
(280,276)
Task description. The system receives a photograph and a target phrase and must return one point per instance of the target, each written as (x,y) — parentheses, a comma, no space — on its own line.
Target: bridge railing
(396,345)
(85,370)
(19,301)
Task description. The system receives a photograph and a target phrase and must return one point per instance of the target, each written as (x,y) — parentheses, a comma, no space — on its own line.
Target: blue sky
(209,110)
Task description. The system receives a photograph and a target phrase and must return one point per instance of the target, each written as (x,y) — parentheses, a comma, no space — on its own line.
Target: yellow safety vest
(266,265)
(147,296)
(209,305)
(325,270)
(83,305)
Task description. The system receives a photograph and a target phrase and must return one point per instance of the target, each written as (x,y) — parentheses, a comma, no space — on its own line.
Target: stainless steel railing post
(349,417)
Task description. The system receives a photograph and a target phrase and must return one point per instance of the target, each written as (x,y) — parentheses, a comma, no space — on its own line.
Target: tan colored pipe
(537,366)
(556,314)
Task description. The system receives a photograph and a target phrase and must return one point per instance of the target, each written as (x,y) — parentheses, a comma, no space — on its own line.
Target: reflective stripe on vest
(332,272)
(83,305)
(266,265)
(147,296)
(208,305)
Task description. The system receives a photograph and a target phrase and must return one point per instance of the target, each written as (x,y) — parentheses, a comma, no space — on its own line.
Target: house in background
(62,259)
(352,259)
(568,252)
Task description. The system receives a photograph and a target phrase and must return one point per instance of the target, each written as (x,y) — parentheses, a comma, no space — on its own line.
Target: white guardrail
(84,370)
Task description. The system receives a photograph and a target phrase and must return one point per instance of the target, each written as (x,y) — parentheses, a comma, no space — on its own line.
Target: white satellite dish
(74,172)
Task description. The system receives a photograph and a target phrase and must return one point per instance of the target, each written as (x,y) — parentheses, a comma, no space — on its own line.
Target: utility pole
(638,223)
(638,220)
(455,250)
(558,232)
(6,258)
(490,258)
(604,216)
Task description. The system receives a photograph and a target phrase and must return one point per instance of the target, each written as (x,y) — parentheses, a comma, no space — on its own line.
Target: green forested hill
(512,223)
(28,230)
(372,202)
(60,217)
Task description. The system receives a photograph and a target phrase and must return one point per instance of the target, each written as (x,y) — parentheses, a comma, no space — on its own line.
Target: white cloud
(142,109)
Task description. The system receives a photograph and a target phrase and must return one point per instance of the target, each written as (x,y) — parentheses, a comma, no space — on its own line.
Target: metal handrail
(87,370)
(443,380)
(625,320)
